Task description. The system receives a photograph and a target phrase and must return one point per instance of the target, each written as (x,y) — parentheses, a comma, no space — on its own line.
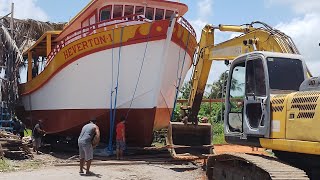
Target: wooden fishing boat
(115,58)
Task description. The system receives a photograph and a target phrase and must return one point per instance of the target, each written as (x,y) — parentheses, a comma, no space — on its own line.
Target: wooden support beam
(29,65)
(48,44)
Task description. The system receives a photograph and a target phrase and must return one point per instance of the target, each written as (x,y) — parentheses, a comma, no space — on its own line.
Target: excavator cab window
(237,92)
(285,73)
(255,87)
(255,78)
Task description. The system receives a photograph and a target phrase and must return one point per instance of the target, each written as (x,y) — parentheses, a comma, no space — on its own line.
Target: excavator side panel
(303,113)
(278,116)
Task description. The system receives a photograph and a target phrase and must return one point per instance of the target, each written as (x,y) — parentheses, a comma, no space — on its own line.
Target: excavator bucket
(190,138)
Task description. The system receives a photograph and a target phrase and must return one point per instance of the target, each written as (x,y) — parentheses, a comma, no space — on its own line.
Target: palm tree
(217,87)
(185,90)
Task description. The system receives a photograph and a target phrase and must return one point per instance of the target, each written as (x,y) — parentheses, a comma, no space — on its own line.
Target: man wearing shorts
(121,138)
(37,134)
(85,140)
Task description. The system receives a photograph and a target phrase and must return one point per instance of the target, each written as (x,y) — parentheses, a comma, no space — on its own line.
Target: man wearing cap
(88,133)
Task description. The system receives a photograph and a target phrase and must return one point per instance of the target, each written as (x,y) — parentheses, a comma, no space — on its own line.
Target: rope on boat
(113,110)
(111,93)
(179,78)
(143,59)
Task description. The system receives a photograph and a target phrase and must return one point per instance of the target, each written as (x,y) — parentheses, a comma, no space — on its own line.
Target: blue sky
(223,11)
(300,19)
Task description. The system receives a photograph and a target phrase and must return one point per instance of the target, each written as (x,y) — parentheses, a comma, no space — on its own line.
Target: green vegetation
(7,165)
(28,133)
(4,166)
(218,136)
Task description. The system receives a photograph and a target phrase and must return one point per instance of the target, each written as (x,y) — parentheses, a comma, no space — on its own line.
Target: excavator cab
(253,79)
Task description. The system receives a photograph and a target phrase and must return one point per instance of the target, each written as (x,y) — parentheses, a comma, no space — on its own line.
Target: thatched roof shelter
(13,44)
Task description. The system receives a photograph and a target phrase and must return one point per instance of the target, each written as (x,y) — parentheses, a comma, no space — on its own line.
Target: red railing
(184,23)
(90,30)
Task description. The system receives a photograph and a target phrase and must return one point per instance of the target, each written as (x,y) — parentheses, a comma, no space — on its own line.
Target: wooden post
(11,22)
(29,65)
(48,44)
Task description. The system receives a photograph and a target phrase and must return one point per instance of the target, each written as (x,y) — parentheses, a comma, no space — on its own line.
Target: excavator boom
(262,38)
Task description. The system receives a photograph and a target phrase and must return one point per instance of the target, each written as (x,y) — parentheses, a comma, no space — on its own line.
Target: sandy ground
(138,171)
(65,166)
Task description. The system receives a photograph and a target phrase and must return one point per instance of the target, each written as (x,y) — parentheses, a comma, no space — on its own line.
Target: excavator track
(242,166)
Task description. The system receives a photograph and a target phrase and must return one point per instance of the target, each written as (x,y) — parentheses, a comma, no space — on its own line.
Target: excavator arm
(256,36)
(262,38)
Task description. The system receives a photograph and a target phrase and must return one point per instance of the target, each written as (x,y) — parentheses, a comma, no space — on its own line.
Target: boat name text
(89,43)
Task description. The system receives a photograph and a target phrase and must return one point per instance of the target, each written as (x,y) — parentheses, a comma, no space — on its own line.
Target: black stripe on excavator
(250,141)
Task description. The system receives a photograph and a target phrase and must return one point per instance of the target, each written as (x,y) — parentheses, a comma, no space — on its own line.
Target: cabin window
(139,10)
(168,14)
(105,13)
(89,20)
(159,14)
(85,23)
(92,20)
(149,13)
(128,10)
(117,11)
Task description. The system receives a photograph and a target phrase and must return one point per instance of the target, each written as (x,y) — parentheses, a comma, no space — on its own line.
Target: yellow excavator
(279,107)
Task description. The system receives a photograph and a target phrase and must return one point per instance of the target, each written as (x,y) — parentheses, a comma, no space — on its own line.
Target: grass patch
(11,166)
(218,133)
(33,164)
(5,166)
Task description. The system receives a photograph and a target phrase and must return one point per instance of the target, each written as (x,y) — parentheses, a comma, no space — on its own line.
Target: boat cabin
(113,11)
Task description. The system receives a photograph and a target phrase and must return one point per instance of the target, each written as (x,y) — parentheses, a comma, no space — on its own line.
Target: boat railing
(91,29)
(183,22)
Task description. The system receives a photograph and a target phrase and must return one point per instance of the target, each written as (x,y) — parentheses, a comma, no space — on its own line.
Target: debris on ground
(13,147)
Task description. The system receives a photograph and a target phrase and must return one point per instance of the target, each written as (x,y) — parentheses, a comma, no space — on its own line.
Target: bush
(218,133)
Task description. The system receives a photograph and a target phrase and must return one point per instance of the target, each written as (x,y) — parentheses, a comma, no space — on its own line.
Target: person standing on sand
(121,138)
(37,134)
(89,138)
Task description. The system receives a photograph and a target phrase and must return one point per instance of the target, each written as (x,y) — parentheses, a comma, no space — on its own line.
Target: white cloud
(304,29)
(304,33)
(299,6)
(204,13)
(23,10)
(205,8)
(198,25)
